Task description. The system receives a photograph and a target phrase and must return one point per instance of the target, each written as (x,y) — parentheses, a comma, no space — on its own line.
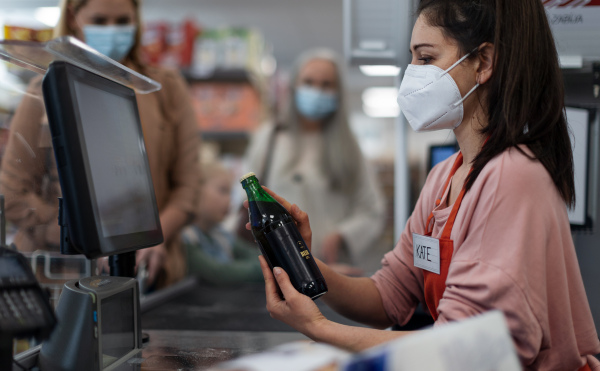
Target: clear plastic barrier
(37,57)
(53,270)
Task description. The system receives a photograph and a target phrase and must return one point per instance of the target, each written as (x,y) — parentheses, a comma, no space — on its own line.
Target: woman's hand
(295,309)
(300,217)
(155,259)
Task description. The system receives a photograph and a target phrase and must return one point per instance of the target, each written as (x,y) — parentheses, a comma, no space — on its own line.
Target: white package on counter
(478,343)
(295,356)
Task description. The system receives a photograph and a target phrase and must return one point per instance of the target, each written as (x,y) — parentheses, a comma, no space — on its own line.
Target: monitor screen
(105,178)
(116,163)
(439,153)
(578,120)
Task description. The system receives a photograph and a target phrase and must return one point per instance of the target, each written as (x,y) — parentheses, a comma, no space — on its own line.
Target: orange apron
(435,284)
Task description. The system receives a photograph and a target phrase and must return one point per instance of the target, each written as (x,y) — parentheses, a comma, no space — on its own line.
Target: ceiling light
(570,61)
(380,70)
(381,111)
(380,102)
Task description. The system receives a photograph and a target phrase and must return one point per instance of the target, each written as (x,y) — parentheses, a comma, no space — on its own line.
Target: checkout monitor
(102,164)
(438,153)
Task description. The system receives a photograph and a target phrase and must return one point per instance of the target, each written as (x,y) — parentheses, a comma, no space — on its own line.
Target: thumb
(283,280)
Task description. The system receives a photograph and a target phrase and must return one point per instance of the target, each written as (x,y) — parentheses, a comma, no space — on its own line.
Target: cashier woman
(496,211)
(29,178)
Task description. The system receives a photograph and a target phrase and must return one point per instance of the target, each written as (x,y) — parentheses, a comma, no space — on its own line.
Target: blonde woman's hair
(64,29)
(342,157)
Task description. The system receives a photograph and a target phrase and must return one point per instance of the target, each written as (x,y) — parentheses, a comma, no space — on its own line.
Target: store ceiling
(291,26)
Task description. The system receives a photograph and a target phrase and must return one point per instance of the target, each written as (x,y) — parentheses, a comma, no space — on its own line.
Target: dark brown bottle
(280,241)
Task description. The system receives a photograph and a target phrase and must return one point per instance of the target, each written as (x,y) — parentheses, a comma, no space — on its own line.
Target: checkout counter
(192,326)
(198,325)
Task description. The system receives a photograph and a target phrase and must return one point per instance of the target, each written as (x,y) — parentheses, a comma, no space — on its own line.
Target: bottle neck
(255,191)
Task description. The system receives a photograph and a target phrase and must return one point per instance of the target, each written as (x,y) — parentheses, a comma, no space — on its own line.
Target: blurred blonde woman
(29,177)
(311,156)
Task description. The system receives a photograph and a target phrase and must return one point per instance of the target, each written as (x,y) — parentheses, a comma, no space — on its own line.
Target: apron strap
(450,222)
(457,163)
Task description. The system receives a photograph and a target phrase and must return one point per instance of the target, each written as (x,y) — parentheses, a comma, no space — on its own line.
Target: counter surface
(196,326)
(193,326)
(205,308)
(200,350)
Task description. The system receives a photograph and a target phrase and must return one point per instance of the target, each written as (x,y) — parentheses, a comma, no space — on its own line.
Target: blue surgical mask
(113,41)
(315,104)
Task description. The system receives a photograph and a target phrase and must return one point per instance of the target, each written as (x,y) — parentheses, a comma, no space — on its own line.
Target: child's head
(214,193)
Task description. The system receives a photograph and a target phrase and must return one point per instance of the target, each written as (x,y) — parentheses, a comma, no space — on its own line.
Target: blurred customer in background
(29,177)
(311,156)
(213,254)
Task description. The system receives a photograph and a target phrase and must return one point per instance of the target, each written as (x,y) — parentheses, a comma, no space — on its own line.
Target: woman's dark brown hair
(524,98)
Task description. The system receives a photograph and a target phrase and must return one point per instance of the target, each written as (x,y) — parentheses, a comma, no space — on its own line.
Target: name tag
(426,251)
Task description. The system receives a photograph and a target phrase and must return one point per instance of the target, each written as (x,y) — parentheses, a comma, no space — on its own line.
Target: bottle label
(291,252)
(288,235)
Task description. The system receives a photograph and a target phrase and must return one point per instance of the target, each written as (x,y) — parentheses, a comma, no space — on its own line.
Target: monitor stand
(121,265)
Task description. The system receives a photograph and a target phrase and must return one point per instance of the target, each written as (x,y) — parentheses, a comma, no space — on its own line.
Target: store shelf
(219,75)
(225,135)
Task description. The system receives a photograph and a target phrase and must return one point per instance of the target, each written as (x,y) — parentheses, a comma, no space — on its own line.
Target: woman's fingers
(299,216)
(303,224)
(278,198)
(283,280)
(270,284)
(295,309)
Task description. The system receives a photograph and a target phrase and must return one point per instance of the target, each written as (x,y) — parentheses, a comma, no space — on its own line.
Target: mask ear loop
(477,81)
(458,62)
(467,95)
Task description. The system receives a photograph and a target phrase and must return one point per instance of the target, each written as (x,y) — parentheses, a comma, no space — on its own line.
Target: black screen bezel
(85,229)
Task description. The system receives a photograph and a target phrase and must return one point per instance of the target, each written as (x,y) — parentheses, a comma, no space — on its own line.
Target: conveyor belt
(204,308)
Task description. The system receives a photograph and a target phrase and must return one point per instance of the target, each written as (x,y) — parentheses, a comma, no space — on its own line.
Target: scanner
(103,328)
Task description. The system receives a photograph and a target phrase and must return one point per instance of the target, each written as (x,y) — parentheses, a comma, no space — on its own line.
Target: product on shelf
(227,49)
(169,45)
(226,107)
(27,33)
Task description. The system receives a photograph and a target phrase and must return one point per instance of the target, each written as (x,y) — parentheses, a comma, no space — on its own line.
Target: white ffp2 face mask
(429,98)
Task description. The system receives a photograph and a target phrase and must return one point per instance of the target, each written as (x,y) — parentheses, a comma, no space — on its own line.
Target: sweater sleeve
(184,172)
(23,165)
(399,282)
(243,250)
(504,261)
(206,268)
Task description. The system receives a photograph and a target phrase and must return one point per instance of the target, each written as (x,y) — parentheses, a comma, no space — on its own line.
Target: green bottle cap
(247,176)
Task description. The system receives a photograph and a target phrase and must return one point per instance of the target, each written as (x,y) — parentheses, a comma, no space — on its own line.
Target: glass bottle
(280,241)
